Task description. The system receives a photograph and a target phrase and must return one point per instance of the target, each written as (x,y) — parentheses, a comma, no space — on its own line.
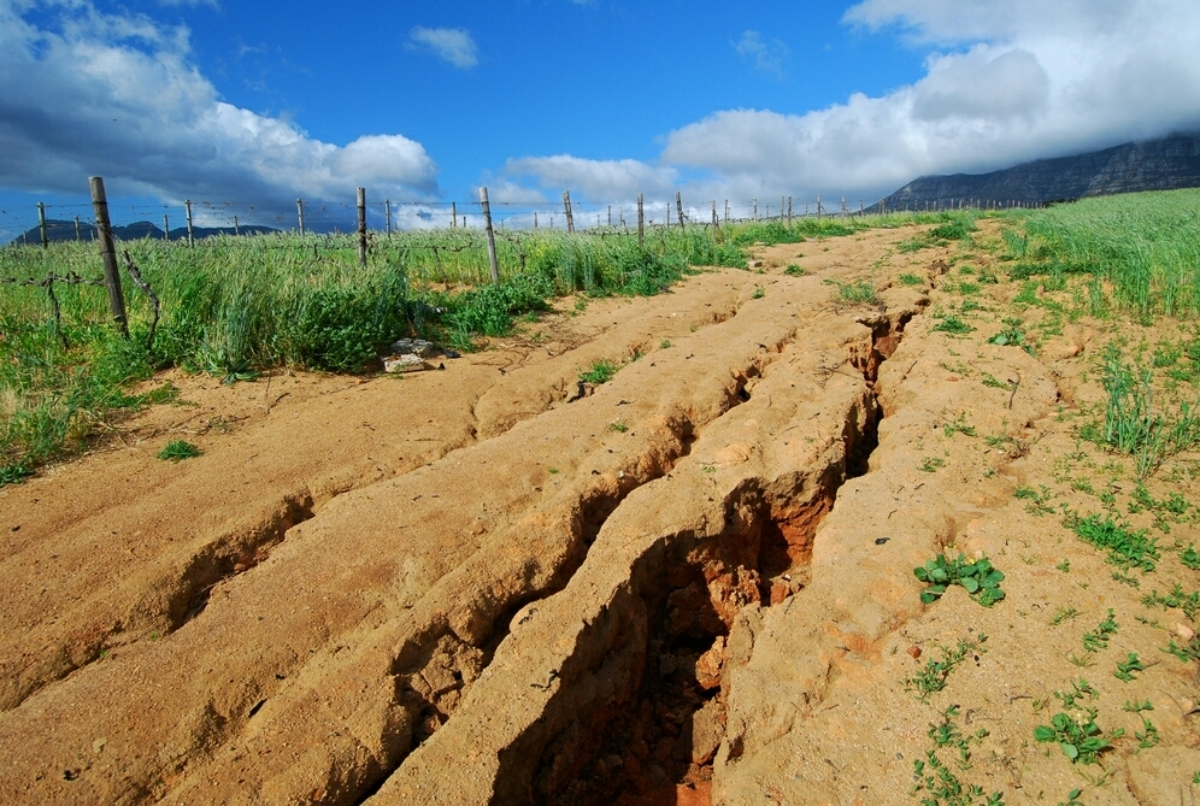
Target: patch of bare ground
(693,585)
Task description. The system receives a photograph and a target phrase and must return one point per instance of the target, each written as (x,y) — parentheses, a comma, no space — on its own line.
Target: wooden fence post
(300,214)
(362,227)
(166,228)
(609,217)
(237,231)
(491,236)
(454,215)
(679,207)
(727,211)
(818,206)
(535,223)
(77,233)
(789,212)
(387,211)
(108,252)
(756,209)
(191,236)
(42,225)
(641,222)
(567,208)
(715,224)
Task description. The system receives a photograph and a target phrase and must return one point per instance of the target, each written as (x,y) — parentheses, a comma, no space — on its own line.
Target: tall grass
(1143,248)
(236,306)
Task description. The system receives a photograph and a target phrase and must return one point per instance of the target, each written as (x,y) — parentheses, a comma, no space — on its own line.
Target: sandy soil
(691,585)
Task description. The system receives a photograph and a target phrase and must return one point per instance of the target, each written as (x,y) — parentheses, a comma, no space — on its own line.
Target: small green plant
(1097,639)
(911,279)
(979,578)
(759,292)
(618,426)
(1126,668)
(795,271)
(1126,548)
(178,450)
(1011,337)
(1188,651)
(857,292)
(952,324)
(930,464)
(1064,566)
(1079,737)
(1189,603)
(1072,798)
(1039,502)
(601,371)
(1136,707)
(1063,614)
(664,344)
(1148,736)
(959,426)
(1190,557)
(991,380)
(932,678)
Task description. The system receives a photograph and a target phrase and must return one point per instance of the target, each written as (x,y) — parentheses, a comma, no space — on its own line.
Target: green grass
(178,450)
(1142,249)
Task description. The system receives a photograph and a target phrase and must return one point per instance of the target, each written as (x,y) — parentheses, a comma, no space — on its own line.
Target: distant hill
(58,230)
(1166,164)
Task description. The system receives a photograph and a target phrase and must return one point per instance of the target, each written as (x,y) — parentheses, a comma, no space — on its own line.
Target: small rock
(409,362)
(1184,631)
(708,666)
(915,651)
(708,726)
(779,592)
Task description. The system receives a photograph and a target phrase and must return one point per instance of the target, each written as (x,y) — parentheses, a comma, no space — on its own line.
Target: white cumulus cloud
(1005,81)
(117,95)
(452,45)
(766,55)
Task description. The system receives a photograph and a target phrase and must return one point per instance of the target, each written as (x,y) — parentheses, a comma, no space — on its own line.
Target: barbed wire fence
(511,222)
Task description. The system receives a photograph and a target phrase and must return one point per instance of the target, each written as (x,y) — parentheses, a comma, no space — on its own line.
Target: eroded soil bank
(692,586)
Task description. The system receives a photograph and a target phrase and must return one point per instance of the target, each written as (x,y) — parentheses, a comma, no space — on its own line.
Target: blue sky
(247,106)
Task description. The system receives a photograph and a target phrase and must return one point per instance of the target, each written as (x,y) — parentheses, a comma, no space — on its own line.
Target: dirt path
(693,585)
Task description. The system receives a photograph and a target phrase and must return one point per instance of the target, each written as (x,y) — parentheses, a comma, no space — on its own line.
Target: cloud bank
(1005,81)
(117,95)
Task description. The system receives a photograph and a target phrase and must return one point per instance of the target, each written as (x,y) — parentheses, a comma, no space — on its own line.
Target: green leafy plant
(1189,603)
(1126,548)
(952,324)
(933,676)
(857,292)
(930,464)
(1190,557)
(601,371)
(959,426)
(911,279)
(1079,737)
(1063,614)
(178,450)
(759,292)
(618,426)
(1097,639)
(1011,337)
(1126,668)
(979,578)
(1072,798)
(793,270)
(934,777)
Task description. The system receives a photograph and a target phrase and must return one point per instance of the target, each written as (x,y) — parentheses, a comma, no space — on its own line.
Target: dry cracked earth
(693,585)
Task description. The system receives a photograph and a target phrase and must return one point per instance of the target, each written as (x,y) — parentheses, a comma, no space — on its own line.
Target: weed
(979,578)
(553,471)
(930,464)
(1079,737)
(759,292)
(952,324)
(1038,500)
(933,677)
(1063,614)
(601,371)
(857,292)
(1098,639)
(618,426)
(1011,337)
(1136,707)
(795,271)
(1148,737)
(664,344)
(1064,566)
(1072,798)
(959,426)
(911,279)
(178,450)
(1190,557)
(1189,603)
(1126,548)
(993,382)
(1126,668)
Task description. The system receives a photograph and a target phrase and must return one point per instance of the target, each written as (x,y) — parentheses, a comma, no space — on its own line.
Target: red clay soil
(691,585)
